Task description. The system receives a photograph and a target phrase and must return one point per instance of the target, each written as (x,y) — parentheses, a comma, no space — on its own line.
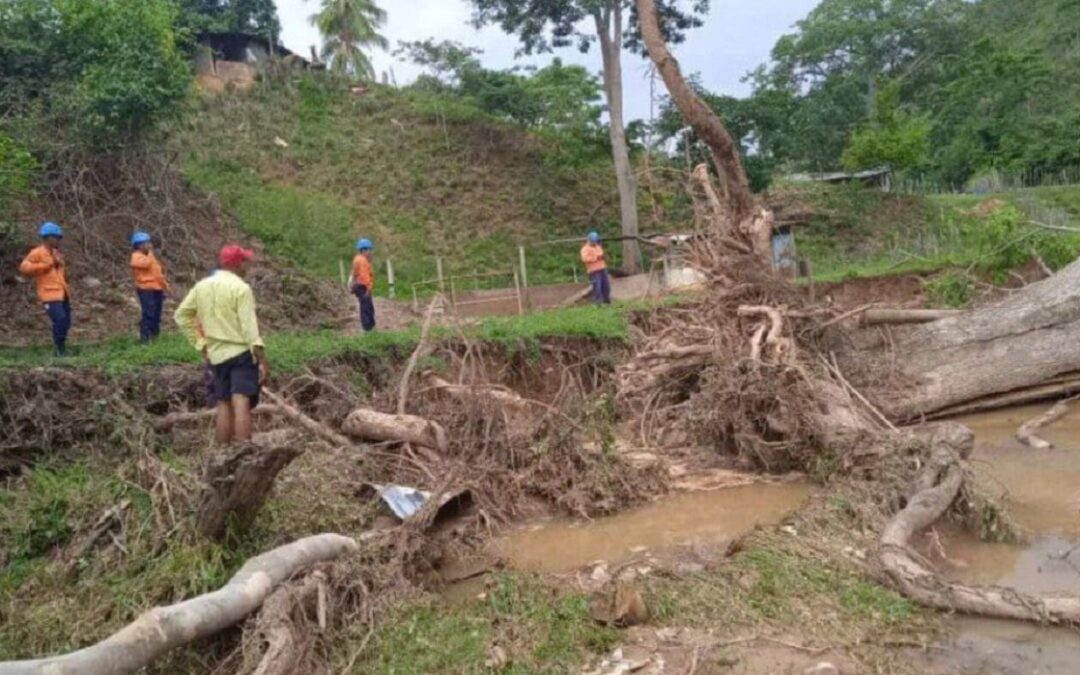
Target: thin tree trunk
(610,29)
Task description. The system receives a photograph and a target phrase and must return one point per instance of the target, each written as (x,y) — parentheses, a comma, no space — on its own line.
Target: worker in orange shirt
(592,254)
(363,283)
(45,265)
(150,284)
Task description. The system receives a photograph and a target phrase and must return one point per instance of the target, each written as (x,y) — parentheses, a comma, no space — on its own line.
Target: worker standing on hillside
(45,265)
(218,317)
(592,254)
(363,284)
(150,285)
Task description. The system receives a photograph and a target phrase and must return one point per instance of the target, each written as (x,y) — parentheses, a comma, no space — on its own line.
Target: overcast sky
(736,38)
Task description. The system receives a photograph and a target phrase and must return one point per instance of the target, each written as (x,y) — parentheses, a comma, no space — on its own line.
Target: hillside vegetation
(309,166)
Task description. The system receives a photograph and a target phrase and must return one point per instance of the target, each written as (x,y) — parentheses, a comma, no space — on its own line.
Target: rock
(823,668)
(623,608)
(496,658)
(600,574)
(91,282)
(280,142)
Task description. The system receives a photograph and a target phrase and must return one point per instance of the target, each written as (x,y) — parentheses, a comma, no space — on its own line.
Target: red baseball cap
(233,255)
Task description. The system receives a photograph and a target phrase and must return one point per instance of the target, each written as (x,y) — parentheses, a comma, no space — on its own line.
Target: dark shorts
(238,375)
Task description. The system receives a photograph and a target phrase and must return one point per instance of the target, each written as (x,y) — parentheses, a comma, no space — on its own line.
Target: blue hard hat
(594,236)
(139,238)
(50,229)
(364,244)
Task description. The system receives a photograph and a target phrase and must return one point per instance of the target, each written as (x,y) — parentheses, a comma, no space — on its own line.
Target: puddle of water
(1043,485)
(1045,565)
(696,518)
(1043,495)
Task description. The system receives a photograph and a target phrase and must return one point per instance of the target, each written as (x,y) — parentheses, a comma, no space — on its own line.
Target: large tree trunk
(1025,340)
(707,125)
(609,27)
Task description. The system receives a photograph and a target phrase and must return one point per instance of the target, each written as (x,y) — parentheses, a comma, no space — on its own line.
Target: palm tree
(346,27)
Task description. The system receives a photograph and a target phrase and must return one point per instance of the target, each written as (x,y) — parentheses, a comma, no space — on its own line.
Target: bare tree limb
(165,628)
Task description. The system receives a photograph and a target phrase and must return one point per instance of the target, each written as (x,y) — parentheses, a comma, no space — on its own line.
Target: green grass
(421,176)
(541,631)
(291,352)
(861,233)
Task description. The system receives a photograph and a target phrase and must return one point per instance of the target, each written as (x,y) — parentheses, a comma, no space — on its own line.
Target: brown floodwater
(685,519)
(1042,491)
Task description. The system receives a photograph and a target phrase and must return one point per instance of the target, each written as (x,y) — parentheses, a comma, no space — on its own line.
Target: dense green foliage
(255,17)
(560,102)
(969,87)
(86,72)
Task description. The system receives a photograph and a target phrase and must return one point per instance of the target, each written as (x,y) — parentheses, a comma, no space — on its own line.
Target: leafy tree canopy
(979,84)
(257,17)
(96,67)
(543,25)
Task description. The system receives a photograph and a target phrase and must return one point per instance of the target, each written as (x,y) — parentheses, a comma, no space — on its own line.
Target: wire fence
(989,182)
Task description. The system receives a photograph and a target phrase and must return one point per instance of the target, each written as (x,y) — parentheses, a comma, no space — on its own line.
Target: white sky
(736,38)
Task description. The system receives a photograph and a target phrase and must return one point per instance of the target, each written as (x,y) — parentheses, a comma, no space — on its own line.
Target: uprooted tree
(754,368)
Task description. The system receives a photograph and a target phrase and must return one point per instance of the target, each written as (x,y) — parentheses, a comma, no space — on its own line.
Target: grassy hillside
(856,232)
(309,166)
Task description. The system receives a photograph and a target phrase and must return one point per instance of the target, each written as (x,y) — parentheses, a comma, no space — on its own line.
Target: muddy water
(1042,490)
(683,520)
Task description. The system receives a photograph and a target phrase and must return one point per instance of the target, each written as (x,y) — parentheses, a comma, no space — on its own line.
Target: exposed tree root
(280,624)
(938,487)
(755,391)
(164,628)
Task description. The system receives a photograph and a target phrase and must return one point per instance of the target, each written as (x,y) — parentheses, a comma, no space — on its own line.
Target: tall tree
(347,27)
(543,25)
(258,17)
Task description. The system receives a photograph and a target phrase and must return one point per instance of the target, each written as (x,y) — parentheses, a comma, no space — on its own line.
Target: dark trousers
(59,314)
(151,303)
(601,287)
(367,308)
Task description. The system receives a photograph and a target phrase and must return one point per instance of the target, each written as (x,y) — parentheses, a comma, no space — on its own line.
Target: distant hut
(224,60)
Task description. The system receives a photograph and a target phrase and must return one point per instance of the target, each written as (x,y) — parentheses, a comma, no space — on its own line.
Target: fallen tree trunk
(1023,341)
(164,628)
(371,425)
(872,317)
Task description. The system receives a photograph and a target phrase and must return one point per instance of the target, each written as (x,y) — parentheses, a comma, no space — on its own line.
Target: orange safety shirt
(593,257)
(48,272)
(149,276)
(362,273)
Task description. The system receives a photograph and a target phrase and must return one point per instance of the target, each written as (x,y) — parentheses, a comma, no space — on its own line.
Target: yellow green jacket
(218,314)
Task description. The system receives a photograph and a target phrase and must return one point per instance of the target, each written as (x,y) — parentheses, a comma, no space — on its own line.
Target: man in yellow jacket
(45,265)
(150,285)
(592,254)
(218,317)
